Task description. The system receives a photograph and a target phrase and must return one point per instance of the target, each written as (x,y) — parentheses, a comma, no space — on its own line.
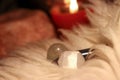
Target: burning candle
(73,6)
(67,15)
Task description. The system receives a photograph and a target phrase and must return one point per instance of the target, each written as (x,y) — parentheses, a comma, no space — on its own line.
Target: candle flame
(73,6)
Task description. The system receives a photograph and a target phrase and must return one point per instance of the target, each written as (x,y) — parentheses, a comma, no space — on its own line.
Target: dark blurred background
(7,5)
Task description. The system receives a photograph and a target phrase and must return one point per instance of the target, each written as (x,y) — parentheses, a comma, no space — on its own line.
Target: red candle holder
(67,20)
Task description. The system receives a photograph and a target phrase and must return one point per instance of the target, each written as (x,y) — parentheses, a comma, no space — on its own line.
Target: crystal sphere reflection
(55,51)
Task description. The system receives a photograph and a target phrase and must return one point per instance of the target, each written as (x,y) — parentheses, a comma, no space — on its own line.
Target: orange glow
(67,2)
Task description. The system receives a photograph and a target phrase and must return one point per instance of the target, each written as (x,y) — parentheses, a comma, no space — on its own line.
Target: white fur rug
(30,63)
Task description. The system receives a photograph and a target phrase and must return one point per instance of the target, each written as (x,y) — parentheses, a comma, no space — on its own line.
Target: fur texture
(103,35)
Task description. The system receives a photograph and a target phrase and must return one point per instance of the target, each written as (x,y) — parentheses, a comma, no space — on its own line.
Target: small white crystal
(71,59)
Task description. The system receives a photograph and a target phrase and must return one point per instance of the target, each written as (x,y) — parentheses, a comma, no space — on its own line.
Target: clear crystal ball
(55,51)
